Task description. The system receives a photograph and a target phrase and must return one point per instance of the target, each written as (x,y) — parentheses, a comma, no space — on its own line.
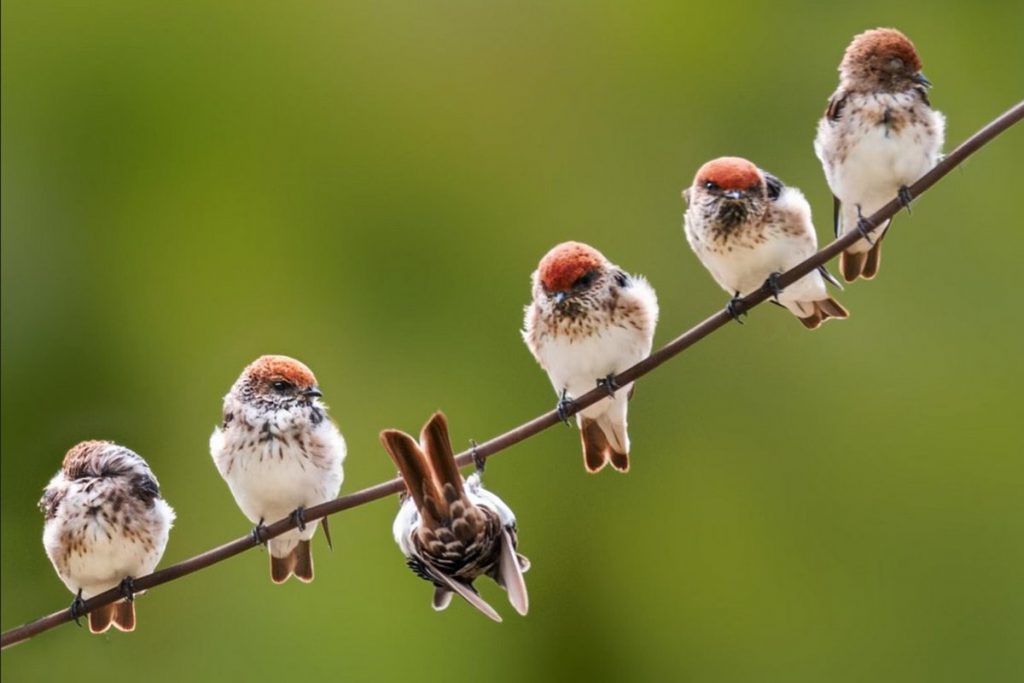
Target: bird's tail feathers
(604,441)
(862,259)
(297,563)
(101,618)
(430,472)
(822,311)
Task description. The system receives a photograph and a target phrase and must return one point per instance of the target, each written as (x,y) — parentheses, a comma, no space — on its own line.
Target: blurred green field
(367,187)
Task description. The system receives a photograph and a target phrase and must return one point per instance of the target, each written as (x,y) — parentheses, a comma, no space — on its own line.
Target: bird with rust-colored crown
(588,321)
(747,228)
(878,135)
(453,530)
(106,525)
(279,453)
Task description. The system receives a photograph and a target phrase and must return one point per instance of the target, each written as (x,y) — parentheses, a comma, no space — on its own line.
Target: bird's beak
(312,392)
(733,194)
(560,297)
(920,79)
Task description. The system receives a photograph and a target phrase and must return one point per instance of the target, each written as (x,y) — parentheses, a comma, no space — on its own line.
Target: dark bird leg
(863,228)
(127,588)
(905,197)
(566,407)
(259,533)
(772,286)
(299,517)
(78,608)
(479,462)
(609,383)
(736,308)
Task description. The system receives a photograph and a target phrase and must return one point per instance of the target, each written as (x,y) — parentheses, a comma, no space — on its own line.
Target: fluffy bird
(878,135)
(590,320)
(451,530)
(106,524)
(746,227)
(279,454)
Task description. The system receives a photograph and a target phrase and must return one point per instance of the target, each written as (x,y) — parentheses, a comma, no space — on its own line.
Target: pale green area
(367,187)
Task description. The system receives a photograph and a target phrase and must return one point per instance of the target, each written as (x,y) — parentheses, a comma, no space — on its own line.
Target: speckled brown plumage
(451,531)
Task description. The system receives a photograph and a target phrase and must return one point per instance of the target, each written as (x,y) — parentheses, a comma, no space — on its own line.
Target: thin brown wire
(538,424)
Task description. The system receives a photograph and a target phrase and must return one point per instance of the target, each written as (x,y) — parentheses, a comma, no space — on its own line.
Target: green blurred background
(367,187)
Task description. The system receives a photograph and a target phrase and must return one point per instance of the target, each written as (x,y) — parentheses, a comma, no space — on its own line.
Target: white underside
(107,555)
(878,160)
(745,268)
(271,487)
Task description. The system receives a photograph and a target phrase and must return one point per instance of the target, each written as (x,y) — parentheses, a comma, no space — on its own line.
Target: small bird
(878,135)
(106,525)
(279,454)
(451,530)
(747,228)
(589,320)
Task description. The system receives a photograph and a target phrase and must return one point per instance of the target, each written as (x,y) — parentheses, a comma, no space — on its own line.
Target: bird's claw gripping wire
(863,228)
(127,588)
(736,308)
(566,407)
(78,608)
(772,286)
(609,383)
(905,197)
(479,461)
(259,533)
(299,517)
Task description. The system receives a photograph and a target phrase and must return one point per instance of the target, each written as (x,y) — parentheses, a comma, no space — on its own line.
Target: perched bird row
(280,454)
(590,320)
(587,322)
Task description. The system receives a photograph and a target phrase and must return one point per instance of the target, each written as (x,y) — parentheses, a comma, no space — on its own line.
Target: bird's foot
(127,588)
(566,407)
(609,383)
(479,462)
(772,286)
(299,517)
(905,197)
(736,308)
(78,608)
(259,533)
(864,228)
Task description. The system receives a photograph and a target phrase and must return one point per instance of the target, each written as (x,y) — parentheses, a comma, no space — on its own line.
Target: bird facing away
(106,525)
(746,227)
(878,135)
(451,530)
(588,321)
(279,453)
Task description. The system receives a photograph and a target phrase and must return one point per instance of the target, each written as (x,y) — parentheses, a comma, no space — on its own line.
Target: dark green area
(367,187)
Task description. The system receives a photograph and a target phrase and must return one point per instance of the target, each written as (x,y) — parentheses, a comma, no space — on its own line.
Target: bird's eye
(281,386)
(710,185)
(583,281)
(754,188)
(895,64)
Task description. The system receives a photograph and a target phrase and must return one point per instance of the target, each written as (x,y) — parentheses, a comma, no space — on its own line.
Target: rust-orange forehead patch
(885,43)
(82,453)
(566,263)
(272,368)
(729,173)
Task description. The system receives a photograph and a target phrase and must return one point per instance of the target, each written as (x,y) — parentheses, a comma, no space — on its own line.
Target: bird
(106,525)
(587,322)
(747,228)
(878,135)
(279,453)
(453,530)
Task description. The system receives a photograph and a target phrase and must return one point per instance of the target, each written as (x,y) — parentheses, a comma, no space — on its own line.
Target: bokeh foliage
(367,186)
